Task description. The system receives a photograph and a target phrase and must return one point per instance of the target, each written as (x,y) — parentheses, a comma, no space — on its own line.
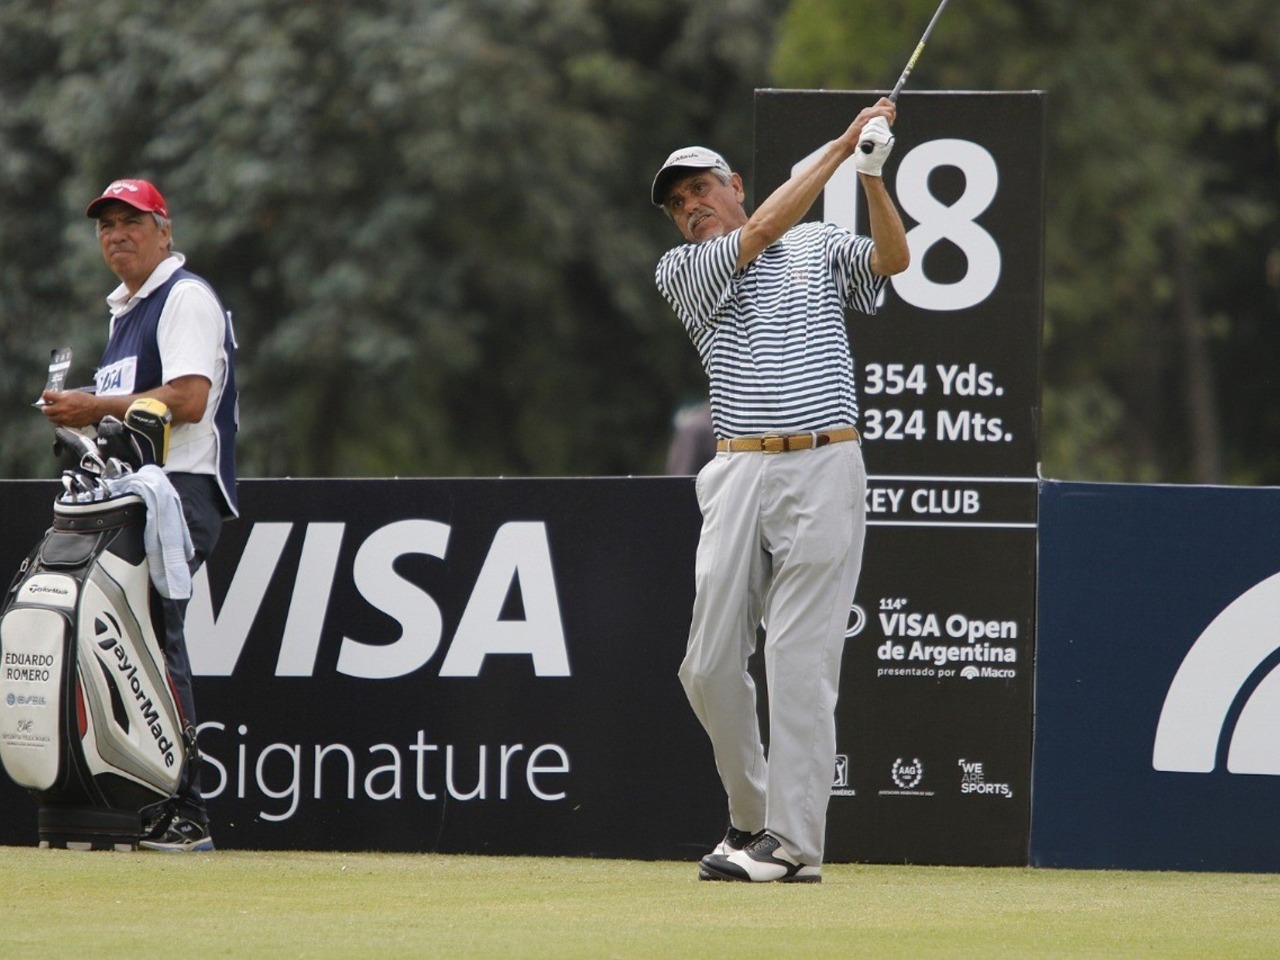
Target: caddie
(169,338)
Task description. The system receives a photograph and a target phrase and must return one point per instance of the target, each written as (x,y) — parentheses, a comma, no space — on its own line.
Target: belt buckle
(778,441)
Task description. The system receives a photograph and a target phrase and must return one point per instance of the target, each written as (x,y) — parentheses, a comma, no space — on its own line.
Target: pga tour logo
(842,771)
(840,782)
(1222,668)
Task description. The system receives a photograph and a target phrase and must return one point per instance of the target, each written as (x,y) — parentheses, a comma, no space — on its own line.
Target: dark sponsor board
(489,665)
(934,721)
(458,666)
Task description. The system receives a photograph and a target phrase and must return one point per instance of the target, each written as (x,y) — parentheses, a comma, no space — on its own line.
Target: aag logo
(1220,667)
(907,775)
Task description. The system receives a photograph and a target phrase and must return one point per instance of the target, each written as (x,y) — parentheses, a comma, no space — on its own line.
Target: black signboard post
(935,719)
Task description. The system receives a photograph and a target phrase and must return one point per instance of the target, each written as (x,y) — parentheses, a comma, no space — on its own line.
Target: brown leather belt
(785,442)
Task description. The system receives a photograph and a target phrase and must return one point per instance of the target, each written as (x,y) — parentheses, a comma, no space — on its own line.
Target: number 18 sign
(936,727)
(948,369)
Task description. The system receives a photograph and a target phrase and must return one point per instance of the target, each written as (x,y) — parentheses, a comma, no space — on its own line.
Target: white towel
(166,538)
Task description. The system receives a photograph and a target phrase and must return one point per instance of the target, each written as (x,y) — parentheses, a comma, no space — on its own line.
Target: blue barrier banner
(1157,741)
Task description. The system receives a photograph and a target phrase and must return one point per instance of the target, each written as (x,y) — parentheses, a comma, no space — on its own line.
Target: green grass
(55,903)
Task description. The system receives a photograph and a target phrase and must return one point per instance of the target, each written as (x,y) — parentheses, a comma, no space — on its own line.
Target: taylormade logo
(1222,665)
(56,591)
(48,589)
(141,695)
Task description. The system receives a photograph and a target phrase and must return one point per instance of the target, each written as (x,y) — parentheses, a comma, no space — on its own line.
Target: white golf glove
(873,147)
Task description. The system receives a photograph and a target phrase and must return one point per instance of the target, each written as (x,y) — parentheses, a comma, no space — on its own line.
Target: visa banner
(482,666)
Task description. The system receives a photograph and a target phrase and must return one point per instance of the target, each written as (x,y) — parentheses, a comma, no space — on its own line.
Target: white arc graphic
(1208,682)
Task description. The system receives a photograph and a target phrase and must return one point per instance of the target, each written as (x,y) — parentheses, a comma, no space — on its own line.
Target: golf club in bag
(89,721)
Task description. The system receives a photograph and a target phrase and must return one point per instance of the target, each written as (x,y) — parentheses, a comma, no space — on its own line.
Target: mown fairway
(248,904)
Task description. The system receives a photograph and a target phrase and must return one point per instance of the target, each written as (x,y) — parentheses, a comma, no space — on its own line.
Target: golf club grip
(867,146)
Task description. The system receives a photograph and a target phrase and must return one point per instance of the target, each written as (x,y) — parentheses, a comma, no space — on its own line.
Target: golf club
(85,449)
(906,72)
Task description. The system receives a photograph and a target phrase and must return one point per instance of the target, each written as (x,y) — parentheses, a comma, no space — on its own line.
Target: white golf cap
(686,158)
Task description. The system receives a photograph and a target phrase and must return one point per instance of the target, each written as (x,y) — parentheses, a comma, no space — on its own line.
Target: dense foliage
(430,217)
(1162,319)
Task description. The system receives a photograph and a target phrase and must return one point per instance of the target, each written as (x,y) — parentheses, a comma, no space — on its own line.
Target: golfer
(763,298)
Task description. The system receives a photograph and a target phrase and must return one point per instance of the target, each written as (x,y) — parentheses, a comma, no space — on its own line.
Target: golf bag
(89,721)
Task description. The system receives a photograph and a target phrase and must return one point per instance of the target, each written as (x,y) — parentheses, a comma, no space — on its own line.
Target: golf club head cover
(877,136)
(149,421)
(116,440)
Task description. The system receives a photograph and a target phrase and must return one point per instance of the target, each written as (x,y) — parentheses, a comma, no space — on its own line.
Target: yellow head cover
(150,421)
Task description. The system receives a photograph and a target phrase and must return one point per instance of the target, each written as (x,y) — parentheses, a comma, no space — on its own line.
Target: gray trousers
(782,538)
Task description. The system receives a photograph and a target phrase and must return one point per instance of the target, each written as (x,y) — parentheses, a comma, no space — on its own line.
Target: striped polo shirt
(772,337)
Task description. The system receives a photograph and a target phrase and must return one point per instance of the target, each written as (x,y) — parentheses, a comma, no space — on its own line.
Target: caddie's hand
(68,408)
(874,147)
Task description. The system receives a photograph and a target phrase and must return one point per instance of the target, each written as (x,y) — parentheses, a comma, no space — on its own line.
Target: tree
(1162,211)
(430,220)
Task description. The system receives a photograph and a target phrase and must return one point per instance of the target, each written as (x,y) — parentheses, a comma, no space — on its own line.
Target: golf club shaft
(916,54)
(906,72)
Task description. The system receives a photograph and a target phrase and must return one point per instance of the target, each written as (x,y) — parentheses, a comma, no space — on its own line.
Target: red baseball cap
(136,193)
